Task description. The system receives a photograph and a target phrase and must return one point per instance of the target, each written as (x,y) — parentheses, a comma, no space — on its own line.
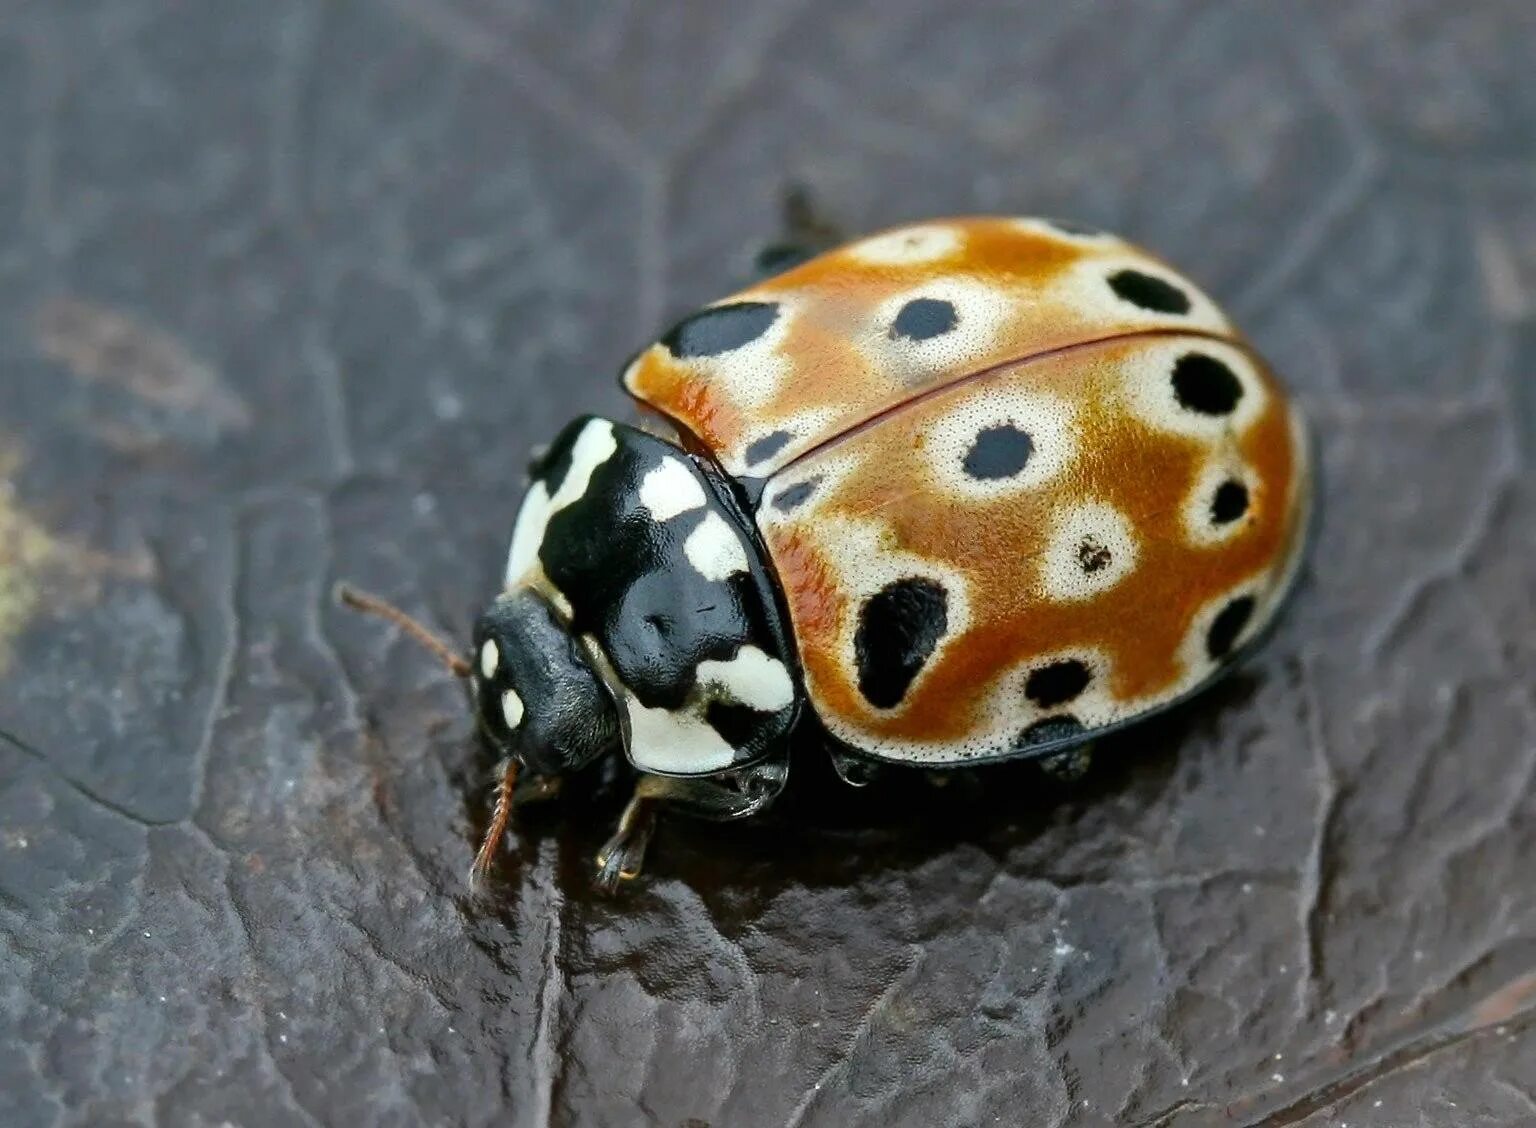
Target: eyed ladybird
(962,491)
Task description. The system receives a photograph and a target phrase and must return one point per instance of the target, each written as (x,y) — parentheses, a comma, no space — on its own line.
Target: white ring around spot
(1046,418)
(1092,548)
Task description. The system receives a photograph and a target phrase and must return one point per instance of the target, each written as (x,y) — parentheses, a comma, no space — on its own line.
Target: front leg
(731,795)
(855,771)
(1069,766)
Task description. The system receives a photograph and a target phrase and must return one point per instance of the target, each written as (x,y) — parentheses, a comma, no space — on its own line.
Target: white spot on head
(752,678)
(714,549)
(511,708)
(677,741)
(670,489)
(489,657)
(1047,420)
(926,242)
(1092,548)
(594,446)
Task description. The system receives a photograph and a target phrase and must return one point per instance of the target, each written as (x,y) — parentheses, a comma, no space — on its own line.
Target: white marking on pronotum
(528,532)
(489,657)
(714,549)
(512,708)
(594,446)
(664,740)
(752,678)
(669,490)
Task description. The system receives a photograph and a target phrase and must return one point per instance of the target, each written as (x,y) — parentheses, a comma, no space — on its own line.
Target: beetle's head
(536,695)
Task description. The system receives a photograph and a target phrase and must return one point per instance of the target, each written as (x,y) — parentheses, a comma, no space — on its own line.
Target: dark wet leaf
(292,290)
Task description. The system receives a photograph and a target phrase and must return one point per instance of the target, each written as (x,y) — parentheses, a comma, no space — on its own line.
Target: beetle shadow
(824,833)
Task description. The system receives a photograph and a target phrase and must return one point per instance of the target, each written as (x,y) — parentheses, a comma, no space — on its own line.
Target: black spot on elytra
(998,452)
(720,329)
(1227,625)
(1057,683)
(1204,384)
(1149,292)
(922,318)
(1092,555)
(760,450)
(899,627)
(1049,731)
(795,496)
(1230,502)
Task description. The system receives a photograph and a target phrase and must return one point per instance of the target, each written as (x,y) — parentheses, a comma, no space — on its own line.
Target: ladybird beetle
(962,491)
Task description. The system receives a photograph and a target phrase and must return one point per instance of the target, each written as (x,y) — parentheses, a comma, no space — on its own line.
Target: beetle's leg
(621,856)
(855,771)
(732,795)
(1069,766)
(805,233)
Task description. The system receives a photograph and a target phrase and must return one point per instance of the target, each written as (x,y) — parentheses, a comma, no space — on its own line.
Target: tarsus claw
(621,856)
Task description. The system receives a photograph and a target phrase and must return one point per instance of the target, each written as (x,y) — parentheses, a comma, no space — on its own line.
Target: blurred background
(290,289)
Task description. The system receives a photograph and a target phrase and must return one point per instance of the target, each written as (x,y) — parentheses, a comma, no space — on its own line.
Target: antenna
(371,604)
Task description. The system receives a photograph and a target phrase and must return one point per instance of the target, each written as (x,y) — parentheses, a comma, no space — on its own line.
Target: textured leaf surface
(291,289)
